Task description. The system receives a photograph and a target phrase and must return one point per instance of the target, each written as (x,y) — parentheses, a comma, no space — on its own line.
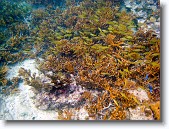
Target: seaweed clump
(13,11)
(3,71)
(95,43)
(14,32)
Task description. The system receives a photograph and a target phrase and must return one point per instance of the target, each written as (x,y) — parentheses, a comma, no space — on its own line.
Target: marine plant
(3,71)
(95,43)
(15,42)
(46,2)
(14,31)
(12,11)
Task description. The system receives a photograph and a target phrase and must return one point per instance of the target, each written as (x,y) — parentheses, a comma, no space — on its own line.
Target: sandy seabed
(20,106)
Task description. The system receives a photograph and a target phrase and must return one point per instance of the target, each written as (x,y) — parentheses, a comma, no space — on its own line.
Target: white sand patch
(28,64)
(139,114)
(140,94)
(20,106)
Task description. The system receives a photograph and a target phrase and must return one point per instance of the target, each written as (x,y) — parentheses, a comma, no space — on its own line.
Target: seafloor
(80,60)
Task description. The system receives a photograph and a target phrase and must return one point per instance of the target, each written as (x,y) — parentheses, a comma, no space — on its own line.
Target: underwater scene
(80,60)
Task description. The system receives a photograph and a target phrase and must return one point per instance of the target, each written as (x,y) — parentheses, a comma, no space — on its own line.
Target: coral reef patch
(80,60)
